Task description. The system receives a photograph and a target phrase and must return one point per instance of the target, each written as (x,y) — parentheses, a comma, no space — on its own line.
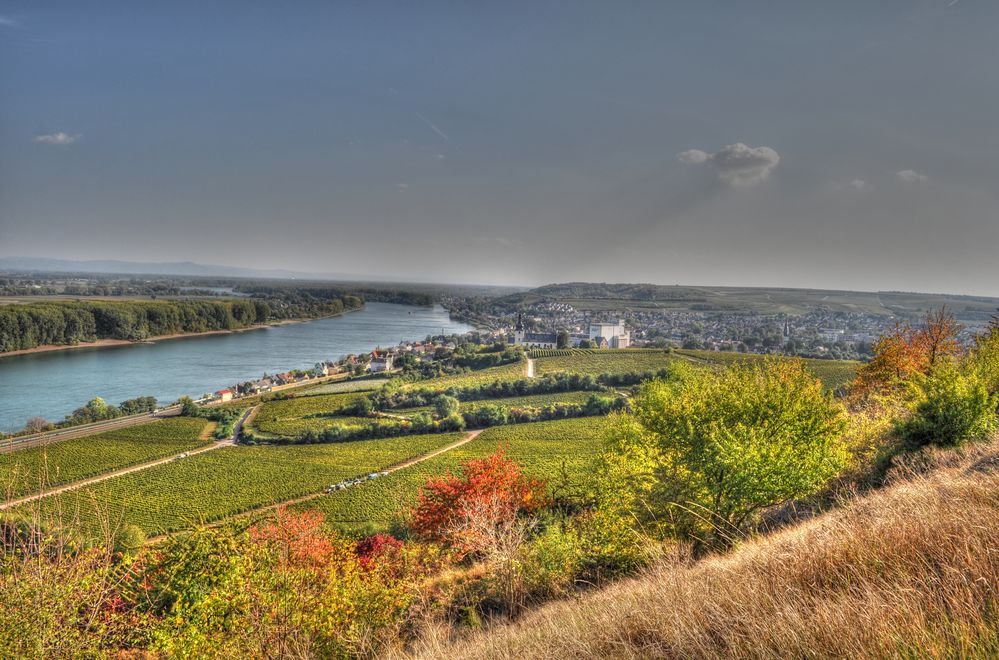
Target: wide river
(53,384)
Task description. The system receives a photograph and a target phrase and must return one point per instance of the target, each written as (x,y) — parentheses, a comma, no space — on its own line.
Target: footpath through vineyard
(468,437)
(228,442)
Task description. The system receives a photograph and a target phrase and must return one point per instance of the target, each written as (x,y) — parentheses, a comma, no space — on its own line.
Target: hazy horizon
(836,146)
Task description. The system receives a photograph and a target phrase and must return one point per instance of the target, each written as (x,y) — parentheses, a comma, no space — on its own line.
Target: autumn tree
(907,352)
(466,510)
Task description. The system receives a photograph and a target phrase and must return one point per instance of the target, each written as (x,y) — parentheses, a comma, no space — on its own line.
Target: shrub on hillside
(707,450)
(954,407)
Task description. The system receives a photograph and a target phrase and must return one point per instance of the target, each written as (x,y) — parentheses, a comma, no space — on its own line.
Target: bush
(711,449)
(953,408)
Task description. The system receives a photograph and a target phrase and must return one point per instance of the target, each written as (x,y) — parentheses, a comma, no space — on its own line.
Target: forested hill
(69,322)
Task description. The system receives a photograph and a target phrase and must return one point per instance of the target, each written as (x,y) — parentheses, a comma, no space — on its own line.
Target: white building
(616,334)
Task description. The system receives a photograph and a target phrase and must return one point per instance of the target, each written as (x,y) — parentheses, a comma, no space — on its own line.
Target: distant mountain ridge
(182,268)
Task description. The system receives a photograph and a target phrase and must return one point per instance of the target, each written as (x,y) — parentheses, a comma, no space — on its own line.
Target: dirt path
(468,437)
(228,442)
(530,368)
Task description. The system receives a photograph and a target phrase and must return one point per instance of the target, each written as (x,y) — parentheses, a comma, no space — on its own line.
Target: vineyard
(833,373)
(226,482)
(340,386)
(530,401)
(560,352)
(289,417)
(597,362)
(543,448)
(30,470)
(510,371)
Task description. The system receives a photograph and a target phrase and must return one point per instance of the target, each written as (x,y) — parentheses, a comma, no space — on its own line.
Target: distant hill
(606,297)
(183,268)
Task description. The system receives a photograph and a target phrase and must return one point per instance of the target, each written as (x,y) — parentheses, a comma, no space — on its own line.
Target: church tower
(518,330)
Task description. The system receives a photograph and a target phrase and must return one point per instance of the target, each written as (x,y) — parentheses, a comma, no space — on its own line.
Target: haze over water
(53,384)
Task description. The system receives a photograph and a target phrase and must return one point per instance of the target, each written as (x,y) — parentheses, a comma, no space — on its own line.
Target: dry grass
(909,571)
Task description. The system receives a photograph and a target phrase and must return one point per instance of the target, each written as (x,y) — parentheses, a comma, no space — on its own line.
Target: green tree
(188,408)
(445,406)
(562,339)
(707,450)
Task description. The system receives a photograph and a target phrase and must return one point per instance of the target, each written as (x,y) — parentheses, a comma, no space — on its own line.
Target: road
(228,442)
(530,368)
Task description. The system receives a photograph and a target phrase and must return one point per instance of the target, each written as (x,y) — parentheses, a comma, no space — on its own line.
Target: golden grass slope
(909,571)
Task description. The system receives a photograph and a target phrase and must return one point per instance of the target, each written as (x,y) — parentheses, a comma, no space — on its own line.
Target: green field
(542,448)
(833,373)
(340,386)
(510,371)
(289,417)
(29,470)
(606,361)
(222,483)
(529,401)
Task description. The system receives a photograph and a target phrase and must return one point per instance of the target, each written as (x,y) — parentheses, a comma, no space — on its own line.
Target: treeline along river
(53,384)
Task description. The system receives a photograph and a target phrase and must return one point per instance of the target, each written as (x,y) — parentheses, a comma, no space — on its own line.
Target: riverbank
(108,343)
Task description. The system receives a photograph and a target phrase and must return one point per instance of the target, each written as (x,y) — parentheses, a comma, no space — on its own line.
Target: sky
(847,144)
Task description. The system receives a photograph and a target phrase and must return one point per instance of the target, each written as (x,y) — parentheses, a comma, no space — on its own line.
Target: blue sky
(836,144)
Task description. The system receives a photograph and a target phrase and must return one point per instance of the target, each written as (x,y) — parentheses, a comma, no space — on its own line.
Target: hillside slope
(910,571)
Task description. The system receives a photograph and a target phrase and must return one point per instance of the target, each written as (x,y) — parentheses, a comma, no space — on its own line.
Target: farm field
(292,416)
(529,401)
(543,448)
(606,361)
(29,470)
(226,482)
(510,371)
(833,373)
(341,386)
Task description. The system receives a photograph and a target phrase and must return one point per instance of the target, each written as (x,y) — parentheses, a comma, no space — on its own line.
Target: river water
(53,384)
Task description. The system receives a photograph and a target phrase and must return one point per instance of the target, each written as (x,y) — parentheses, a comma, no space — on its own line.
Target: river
(53,384)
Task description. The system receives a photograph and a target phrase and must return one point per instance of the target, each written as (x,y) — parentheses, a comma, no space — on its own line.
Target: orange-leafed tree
(299,539)
(469,511)
(907,351)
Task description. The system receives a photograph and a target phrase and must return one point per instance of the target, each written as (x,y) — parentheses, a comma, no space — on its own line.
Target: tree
(908,352)
(562,339)
(445,406)
(188,408)
(707,450)
(37,425)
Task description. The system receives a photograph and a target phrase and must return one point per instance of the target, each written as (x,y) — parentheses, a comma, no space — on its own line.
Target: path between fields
(468,437)
(228,442)
(530,368)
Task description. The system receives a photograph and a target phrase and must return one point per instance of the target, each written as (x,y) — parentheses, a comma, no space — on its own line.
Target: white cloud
(858,184)
(7,21)
(911,176)
(59,138)
(693,156)
(737,164)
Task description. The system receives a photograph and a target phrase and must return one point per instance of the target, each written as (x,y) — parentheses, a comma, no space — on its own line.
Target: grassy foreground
(909,571)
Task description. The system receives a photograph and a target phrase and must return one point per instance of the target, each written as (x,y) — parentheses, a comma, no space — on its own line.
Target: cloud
(59,138)
(855,185)
(7,21)
(737,164)
(693,156)
(911,176)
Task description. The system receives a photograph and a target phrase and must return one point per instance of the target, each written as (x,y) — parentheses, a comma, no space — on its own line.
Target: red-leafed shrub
(374,548)
(465,511)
